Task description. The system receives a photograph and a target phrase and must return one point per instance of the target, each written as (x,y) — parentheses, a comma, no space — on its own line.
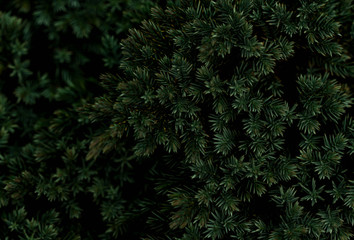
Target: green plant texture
(244,110)
(177,120)
(51,56)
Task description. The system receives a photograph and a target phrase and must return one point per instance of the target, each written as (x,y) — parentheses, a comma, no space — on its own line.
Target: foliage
(51,55)
(244,108)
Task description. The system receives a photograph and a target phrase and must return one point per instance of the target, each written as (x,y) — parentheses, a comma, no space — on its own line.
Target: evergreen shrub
(51,56)
(239,116)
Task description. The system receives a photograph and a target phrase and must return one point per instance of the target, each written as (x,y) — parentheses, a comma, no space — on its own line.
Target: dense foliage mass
(241,114)
(227,119)
(51,56)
